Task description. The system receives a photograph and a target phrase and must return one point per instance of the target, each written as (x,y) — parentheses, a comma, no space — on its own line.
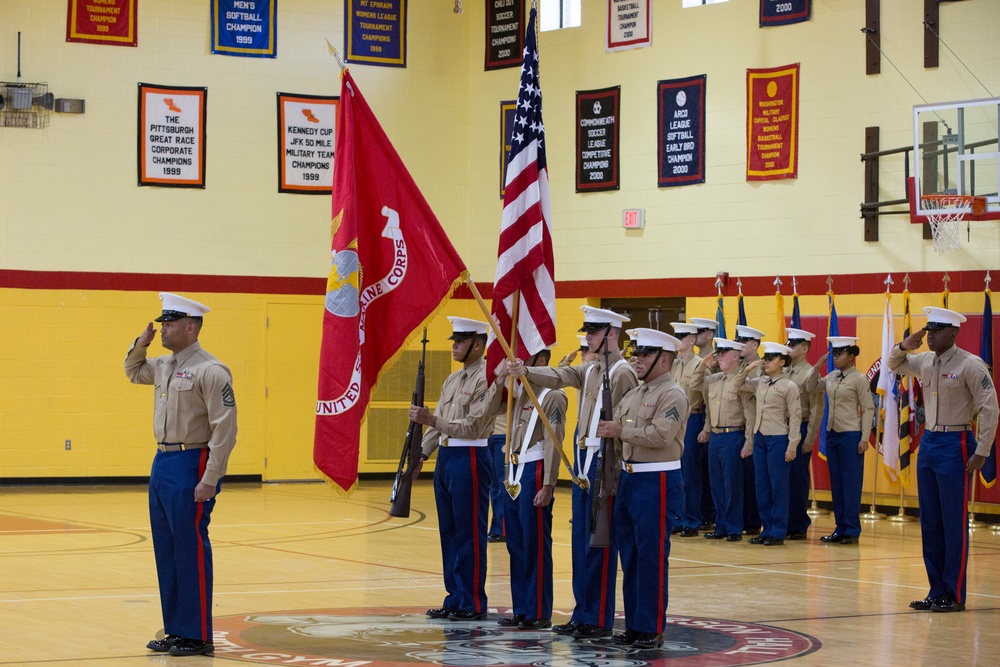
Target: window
(556,14)
(699,3)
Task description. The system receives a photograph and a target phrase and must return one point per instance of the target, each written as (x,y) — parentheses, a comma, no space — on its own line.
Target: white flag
(888,384)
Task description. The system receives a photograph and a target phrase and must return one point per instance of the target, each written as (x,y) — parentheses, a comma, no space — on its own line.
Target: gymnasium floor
(306,577)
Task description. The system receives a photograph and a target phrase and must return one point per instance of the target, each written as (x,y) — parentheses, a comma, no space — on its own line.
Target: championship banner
(680,123)
(773,123)
(375,32)
(306,126)
(507,112)
(629,24)
(784,12)
(110,22)
(504,33)
(172,136)
(597,154)
(247,28)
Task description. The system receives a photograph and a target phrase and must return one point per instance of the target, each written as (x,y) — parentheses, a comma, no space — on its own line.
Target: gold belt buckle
(513,458)
(444,442)
(628,467)
(582,444)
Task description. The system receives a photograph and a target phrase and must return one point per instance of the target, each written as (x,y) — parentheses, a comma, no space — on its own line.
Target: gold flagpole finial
(795,285)
(906,281)
(987,280)
(336,54)
(888,282)
(739,286)
(777,283)
(829,283)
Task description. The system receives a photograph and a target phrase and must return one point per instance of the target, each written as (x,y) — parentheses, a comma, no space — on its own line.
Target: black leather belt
(728,429)
(179,446)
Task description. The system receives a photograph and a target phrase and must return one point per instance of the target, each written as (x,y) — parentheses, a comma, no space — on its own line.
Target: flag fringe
(339,490)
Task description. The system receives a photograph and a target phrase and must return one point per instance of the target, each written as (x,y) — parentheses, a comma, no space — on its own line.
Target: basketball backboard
(956,151)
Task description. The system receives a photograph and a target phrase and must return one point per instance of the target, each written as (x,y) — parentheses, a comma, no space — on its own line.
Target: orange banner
(102,22)
(773,123)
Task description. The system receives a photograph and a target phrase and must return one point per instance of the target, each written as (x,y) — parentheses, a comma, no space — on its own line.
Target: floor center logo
(404,636)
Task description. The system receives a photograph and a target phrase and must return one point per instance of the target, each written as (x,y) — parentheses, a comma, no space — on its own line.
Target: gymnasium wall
(83,250)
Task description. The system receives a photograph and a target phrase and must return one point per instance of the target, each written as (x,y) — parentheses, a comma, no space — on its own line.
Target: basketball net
(944,213)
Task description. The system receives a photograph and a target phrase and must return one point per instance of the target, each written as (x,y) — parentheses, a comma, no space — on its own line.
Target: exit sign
(633,218)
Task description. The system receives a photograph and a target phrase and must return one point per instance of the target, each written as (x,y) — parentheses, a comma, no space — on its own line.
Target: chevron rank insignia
(987,382)
(672,414)
(556,417)
(228,397)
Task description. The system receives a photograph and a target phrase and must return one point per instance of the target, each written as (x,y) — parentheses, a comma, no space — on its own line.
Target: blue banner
(681,131)
(783,12)
(375,32)
(247,28)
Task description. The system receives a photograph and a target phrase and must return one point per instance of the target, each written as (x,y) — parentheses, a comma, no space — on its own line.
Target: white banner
(629,24)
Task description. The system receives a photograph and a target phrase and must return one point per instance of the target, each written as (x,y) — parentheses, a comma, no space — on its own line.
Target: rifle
(402,486)
(607,474)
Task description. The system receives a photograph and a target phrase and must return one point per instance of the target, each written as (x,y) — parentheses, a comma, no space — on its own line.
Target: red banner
(392,266)
(102,22)
(773,123)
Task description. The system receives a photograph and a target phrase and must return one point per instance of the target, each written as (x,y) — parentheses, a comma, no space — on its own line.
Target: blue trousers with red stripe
(772,483)
(798,487)
(529,543)
(595,571)
(943,491)
(726,471)
(847,472)
(644,510)
(497,490)
(183,552)
(462,496)
(690,514)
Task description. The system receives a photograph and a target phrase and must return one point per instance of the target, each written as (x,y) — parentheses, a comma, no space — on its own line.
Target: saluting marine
(750,338)
(806,379)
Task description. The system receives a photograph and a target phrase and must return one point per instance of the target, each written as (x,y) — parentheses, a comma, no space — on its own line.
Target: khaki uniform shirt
(193,401)
(778,408)
(957,389)
(622,380)
(653,418)
(726,401)
(461,392)
(682,372)
(851,404)
(750,404)
(553,405)
(806,379)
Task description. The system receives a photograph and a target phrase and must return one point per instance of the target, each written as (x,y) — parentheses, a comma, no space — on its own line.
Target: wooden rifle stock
(402,486)
(607,473)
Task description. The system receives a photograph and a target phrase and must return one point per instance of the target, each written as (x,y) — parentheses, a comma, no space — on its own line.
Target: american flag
(525,263)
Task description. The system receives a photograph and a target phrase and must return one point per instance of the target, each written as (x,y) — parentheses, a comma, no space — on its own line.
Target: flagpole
(582,483)
(973,521)
(901,517)
(513,489)
(873,514)
(814,509)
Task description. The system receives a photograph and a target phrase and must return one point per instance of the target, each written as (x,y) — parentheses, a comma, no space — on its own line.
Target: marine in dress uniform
(750,338)
(594,569)
(533,472)
(806,379)
(649,422)
(848,426)
(704,340)
(775,439)
(725,428)
(693,460)
(462,473)
(958,389)
(194,421)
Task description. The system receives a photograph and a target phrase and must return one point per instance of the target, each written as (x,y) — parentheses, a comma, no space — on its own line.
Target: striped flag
(887,424)
(525,262)
(907,405)
(832,329)
(988,473)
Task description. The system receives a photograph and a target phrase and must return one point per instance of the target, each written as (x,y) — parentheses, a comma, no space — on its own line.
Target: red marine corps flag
(391,268)
(525,264)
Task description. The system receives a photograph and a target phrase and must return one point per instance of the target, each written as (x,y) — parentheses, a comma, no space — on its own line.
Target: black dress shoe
(496,538)
(568,629)
(758,540)
(796,535)
(442,612)
(625,638)
(833,538)
(735,537)
(752,531)
(689,532)
(849,540)
(772,541)
(946,604)
(708,525)
(510,621)
(648,640)
(587,631)
(923,605)
(535,623)
(163,645)
(191,647)
(463,615)
(715,536)
(675,530)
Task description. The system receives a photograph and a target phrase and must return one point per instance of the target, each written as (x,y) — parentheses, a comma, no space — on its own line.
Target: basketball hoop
(944,212)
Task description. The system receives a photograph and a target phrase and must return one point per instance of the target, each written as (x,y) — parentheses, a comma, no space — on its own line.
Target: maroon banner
(109,22)
(773,123)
